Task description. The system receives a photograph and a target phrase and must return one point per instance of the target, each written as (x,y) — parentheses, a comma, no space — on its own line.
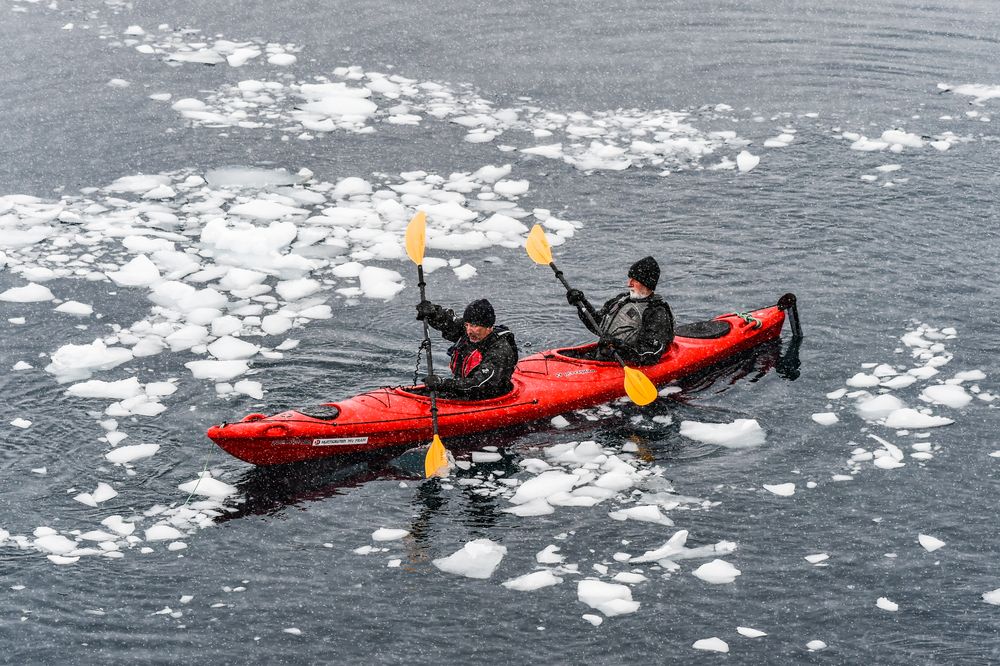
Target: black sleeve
(654,337)
(451,326)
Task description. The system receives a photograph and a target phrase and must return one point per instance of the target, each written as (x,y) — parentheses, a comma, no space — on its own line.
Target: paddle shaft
(427,341)
(583,309)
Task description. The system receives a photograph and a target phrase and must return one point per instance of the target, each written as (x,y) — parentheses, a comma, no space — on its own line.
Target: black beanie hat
(480,313)
(646,272)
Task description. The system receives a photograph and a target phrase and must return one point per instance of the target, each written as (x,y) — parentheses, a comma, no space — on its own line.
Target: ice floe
(476,559)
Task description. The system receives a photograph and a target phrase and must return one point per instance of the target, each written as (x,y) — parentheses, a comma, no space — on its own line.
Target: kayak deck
(546,384)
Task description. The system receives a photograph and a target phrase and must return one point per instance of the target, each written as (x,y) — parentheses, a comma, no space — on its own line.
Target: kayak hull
(545,384)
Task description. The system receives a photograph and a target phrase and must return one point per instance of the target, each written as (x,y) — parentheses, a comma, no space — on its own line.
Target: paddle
(637,385)
(436,461)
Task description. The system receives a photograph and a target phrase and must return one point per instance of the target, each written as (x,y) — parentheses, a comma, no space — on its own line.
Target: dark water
(866,262)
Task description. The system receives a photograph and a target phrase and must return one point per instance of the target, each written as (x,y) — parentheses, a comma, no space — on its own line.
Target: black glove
(433,382)
(607,341)
(427,310)
(575,297)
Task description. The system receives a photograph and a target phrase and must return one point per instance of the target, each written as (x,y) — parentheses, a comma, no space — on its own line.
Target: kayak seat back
(704,330)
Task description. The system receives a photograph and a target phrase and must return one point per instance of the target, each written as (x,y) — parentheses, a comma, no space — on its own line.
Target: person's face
(637,289)
(477,333)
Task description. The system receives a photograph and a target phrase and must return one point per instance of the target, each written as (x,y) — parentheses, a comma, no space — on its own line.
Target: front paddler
(637,323)
(483,356)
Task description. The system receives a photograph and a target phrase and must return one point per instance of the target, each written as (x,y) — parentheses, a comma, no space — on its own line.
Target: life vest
(624,321)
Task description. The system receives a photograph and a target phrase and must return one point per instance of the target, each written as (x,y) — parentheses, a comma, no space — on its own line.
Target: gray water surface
(866,262)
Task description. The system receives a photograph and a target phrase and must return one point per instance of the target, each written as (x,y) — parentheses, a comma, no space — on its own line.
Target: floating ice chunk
(293,290)
(162,532)
(560,422)
(825,418)
(76,362)
(388,534)
(21,365)
(131,453)
(923,372)
(56,544)
(899,381)
(207,486)
(817,558)
(673,546)
(595,620)
(380,282)
(968,376)
(862,380)
(30,293)
(549,555)
(816,645)
(486,457)
(532,581)
(21,423)
(126,388)
(465,271)
(747,162)
(263,209)
(836,395)
(610,598)
(992,597)
(950,395)
(713,644)
(251,388)
(535,507)
(102,493)
(649,513)
(929,543)
(282,59)
(741,433)
(551,150)
(75,308)
(878,407)
(901,138)
(476,559)
(887,605)
(219,371)
(544,485)
(228,348)
(717,572)
(511,188)
(750,632)
(629,578)
(911,418)
(781,489)
(138,184)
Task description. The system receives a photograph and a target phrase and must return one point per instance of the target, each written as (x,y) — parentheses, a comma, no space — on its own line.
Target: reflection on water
(270,490)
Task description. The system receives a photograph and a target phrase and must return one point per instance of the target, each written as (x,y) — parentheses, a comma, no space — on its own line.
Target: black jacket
(644,346)
(481,369)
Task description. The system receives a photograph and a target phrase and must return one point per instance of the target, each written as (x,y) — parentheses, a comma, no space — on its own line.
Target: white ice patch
(207,486)
(609,598)
(887,605)
(532,581)
(131,453)
(950,395)
(825,418)
(648,513)
(781,489)
(77,362)
(476,559)
(929,543)
(717,572)
(742,433)
(750,632)
(713,644)
(911,418)
(30,293)
(389,534)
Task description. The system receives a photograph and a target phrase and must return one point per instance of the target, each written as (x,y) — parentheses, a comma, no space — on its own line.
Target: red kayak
(545,384)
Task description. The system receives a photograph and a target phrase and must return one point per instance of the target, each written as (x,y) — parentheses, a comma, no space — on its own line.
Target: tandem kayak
(546,384)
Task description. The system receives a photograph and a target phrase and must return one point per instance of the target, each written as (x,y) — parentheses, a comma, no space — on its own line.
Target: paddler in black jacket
(637,324)
(483,356)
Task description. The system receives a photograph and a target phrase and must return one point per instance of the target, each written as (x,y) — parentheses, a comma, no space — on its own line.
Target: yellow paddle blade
(415,237)
(436,462)
(538,246)
(638,387)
